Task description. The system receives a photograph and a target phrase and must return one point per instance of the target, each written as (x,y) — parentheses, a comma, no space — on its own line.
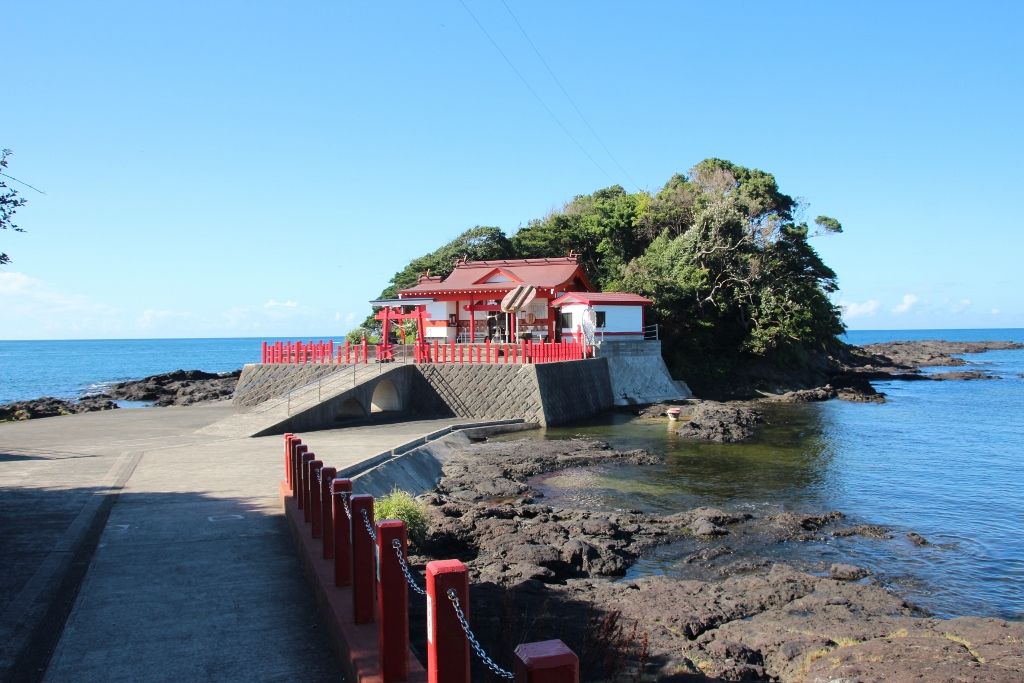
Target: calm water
(943,459)
(68,369)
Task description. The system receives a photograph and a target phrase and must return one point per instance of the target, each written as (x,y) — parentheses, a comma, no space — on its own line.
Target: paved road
(134,548)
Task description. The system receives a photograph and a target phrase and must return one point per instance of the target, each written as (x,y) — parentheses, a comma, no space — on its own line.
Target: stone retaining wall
(259,382)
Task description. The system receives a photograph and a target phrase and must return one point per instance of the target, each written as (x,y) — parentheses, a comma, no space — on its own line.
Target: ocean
(942,459)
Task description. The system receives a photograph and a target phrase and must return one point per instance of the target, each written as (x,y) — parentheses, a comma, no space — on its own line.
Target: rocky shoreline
(177,388)
(540,571)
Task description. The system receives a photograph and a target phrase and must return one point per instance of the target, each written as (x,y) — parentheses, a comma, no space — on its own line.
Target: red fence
(369,562)
(321,352)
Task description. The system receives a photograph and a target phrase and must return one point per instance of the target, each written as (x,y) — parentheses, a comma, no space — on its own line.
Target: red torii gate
(394,310)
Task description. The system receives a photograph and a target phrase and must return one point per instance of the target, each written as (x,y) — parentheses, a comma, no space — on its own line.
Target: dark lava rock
(865,530)
(917,539)
(711,421)
(915,354)
(847,572)
(964,375)
(49,406)
(181,387)
(808,395)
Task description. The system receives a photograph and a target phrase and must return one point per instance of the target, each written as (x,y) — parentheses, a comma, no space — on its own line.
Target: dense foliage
(9,203)
(720,250)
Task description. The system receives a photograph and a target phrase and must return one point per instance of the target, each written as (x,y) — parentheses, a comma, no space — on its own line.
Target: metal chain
(490,663)
(344,502)
(369,527)
(397,545)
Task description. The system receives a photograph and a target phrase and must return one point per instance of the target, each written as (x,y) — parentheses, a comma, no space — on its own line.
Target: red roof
(602,299)
(503,275)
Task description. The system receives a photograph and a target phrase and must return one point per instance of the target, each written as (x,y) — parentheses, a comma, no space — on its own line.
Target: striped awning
(519,298)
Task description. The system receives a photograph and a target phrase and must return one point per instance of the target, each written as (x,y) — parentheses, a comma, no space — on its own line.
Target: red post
(549,661)
(392,601)
(263,353)
(288,458)
(447,646)
(298,448)
(487,350)
(327,475)
(304,461)
(451,356)
(363,560)
(525,356)
(340,489)
(330,351)
(366,353)
(435,357)
(312,510)
(310,485)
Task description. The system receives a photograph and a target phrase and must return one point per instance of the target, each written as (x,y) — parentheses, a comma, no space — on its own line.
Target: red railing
(368,562)
(321,352)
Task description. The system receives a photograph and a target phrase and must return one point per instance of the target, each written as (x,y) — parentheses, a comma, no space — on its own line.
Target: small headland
(177,388)
(542,571)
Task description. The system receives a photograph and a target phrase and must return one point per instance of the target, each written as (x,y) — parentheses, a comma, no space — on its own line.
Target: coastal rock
(537,573)
(963,375)
(808,395)
(711,421)
(49,406)
(847,572)
(865,530)
(933,352)
(917,539)
(181,387)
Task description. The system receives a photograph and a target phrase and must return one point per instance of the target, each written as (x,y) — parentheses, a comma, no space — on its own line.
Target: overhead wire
(565,92)
(534,92)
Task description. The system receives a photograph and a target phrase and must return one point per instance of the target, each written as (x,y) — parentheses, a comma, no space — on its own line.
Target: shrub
(401,505)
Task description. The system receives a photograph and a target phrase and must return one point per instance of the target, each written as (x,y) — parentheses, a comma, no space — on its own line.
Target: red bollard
(447,645)
(364,573)
(302,456)
(327,475)
(392,601)
(304,461)
(309,484)
(549,661)
(288,458)
(340,489)
(315,516)
(297,450)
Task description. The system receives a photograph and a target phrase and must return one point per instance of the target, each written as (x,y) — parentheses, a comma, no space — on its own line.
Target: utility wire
(23,183)
(568,96)
(534,92)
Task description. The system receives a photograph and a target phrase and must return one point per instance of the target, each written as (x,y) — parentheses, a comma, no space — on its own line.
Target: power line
(534,92)
(568,96)
(23,183)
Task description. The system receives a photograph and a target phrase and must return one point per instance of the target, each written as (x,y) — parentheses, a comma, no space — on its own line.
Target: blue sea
(942,459)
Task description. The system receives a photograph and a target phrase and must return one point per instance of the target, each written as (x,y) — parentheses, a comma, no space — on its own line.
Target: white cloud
(274,303)
(862,310)
(909,300)
(152,317)
(995,311)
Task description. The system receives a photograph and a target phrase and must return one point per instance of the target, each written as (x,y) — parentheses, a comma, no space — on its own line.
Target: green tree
(10,202)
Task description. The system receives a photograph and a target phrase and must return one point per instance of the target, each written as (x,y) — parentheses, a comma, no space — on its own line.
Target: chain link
(344,502)
(490,663)
(369,527)
(397,545)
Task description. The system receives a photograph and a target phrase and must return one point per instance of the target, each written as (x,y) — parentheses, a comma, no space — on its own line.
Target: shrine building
(512,300)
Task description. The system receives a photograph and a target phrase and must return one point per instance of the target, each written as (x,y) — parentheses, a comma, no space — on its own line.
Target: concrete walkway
(135,548)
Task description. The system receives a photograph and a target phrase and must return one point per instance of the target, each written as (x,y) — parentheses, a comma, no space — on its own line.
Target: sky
(224,169)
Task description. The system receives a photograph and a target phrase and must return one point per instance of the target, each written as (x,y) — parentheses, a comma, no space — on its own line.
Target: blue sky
(250,169)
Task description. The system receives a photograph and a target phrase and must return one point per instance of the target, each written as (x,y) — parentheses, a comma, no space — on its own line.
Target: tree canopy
(721,250)
(9,203)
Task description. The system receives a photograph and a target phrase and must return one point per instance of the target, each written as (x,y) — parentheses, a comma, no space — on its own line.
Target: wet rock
(865,530)
(847,572)
(808,395)
(711,421)
(963,375)
(181,387)
(917,539)
(48,406)
(914,354)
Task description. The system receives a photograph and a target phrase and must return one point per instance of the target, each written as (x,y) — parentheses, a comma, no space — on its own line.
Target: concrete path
(134,548)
